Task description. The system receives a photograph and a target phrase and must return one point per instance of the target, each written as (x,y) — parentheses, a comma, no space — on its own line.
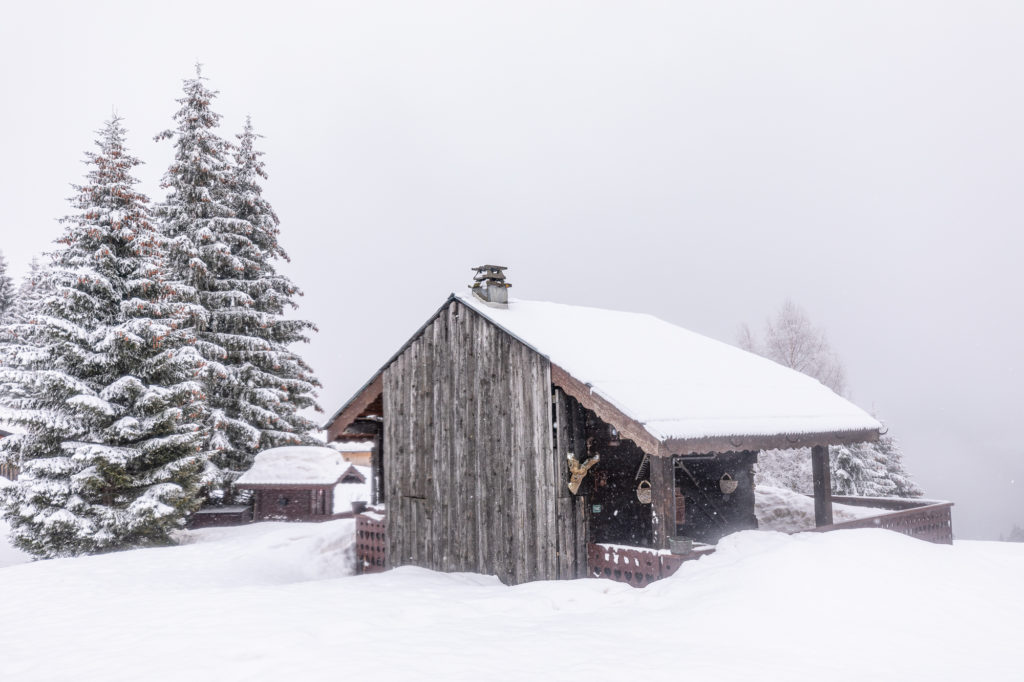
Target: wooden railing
(931,521)
(371,542)
(927,520)
(637,566)
(890,503)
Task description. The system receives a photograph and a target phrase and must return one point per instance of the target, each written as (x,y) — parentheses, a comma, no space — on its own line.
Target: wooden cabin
(301,483)
(510,435)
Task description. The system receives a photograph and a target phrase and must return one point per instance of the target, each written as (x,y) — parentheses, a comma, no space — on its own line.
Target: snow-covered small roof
(354,473)
(295,465)
(352,446)
(679,385)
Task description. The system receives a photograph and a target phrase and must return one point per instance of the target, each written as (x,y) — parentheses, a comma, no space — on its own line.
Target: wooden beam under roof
(635,431)
(608,413)
(355,407)
(782,441)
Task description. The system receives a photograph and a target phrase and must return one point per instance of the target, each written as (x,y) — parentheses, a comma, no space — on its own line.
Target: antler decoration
(577,471)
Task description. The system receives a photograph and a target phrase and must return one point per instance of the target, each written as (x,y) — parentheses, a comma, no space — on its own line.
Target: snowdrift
(274,601)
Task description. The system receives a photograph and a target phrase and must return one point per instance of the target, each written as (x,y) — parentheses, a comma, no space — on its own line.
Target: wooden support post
(822,486)
(376,471)
(663,501)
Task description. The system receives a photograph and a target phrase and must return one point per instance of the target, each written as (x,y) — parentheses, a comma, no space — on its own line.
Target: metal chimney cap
(489,272)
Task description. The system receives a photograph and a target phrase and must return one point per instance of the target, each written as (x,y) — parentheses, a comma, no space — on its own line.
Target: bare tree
(791,340)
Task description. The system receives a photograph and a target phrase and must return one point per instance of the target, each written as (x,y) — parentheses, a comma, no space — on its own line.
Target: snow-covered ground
(273,601)
(9,556)
(790,512)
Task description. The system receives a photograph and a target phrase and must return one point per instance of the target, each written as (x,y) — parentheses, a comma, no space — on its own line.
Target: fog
(700,163)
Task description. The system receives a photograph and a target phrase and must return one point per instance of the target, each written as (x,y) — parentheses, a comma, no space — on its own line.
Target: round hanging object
(643,492)
(728,484)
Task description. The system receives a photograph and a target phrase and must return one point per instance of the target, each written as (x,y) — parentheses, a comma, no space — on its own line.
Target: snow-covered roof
(679,385)
(352,446)
(295,465)
(677,392)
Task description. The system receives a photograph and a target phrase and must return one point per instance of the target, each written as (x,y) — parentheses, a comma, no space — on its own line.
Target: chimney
(489,285)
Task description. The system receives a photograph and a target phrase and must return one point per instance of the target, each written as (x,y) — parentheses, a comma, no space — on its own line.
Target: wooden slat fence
(640,566)
(932,523)
(371,543)
(637,566)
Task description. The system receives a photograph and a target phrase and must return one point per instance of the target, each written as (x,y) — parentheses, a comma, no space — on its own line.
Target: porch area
(928,520)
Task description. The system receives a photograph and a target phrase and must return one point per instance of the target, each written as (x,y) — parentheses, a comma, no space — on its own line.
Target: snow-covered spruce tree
(871,469)
(273,383)
(106,392)
(33,288)
(223,236)
(858,469)
(7,291)
(8,299)
(888,449)
(18,330)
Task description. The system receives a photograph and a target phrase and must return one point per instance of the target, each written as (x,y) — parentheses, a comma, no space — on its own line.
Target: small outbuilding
(304,483)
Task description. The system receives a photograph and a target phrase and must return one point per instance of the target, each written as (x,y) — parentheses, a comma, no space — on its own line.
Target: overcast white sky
(701,162)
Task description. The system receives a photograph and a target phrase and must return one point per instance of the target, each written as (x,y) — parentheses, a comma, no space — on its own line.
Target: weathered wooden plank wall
(572,511)
(471,480)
